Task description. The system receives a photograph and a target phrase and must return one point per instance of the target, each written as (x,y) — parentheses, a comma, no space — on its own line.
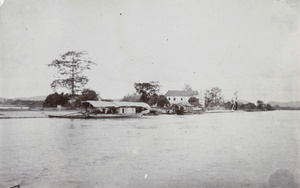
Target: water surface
(211,150)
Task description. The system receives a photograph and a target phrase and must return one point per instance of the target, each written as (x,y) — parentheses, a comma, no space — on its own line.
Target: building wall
(179,99)
(126,110)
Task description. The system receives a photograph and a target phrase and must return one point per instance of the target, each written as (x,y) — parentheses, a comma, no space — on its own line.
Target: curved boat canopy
(117,104)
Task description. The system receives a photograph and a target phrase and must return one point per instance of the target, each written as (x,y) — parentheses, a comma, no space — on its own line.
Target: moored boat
(105,109)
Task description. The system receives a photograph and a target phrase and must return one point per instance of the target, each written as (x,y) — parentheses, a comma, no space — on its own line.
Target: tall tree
(187,87)
(147,90)
(214,97)
(71,66)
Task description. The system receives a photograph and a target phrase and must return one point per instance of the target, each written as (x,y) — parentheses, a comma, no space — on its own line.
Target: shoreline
(23,114)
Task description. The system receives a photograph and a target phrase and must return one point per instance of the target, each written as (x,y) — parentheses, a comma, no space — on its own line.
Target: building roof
(181,93)
(117,104)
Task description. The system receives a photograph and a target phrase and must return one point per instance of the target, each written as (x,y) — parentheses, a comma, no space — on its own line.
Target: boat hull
(97,116)
(220,111)
(113,116)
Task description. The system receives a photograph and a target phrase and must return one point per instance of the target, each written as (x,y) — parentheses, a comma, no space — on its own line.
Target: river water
(242,149)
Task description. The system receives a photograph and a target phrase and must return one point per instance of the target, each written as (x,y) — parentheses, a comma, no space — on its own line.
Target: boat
(77,115)
(220,111)
(106,109)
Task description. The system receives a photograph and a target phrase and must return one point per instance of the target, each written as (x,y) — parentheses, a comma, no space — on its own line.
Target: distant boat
(104,109)
(220,111)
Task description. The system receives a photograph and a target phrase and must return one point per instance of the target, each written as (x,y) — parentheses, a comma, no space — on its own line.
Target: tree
(194,101)
(250,106)
(214,97)
(187,87)
(228,105)
(162,101)
(70,68)
(146,90)
(88,94)
(55,99)
(269,107)
(260,105)
(132,98)
(153,99)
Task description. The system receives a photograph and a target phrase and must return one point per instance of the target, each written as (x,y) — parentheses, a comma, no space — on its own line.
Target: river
(242,149)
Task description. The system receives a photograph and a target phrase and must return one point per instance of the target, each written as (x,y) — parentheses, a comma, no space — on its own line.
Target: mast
(234,101)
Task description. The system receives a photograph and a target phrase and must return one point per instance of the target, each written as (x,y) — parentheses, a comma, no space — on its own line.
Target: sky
(249,46)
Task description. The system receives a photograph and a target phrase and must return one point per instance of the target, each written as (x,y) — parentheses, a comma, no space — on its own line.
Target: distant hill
(3,100)
(239,100)
(294,104)
(36,98)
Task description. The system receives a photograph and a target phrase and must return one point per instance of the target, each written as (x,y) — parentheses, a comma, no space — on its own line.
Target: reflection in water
(216,150)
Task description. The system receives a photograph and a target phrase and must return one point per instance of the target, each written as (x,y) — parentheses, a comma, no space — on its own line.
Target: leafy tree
(228,105)
(162,101)
(260,105)
(241,106)
(194,101)
(132,98)
(187,87)
(269,107)
(146,90)
(250,106)
(70,68)
(153,99)
(214,97)
(55,99)
(88,94)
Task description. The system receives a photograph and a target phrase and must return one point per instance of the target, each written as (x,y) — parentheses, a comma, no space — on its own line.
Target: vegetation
(55,99)
(86,94)
(162,101)
(62,99)
(153,99)
(214,97)
(132,98)
(187,87)
(147,90)
(70,67)
(194,101)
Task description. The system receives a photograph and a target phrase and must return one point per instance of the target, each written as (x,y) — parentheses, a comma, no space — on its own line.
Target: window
(174,99)
(182,99)
(169,98)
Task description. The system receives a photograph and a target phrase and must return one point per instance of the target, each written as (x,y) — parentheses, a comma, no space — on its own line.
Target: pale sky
(250,46)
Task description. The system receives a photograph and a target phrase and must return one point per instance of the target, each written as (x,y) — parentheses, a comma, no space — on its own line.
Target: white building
(179,96)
